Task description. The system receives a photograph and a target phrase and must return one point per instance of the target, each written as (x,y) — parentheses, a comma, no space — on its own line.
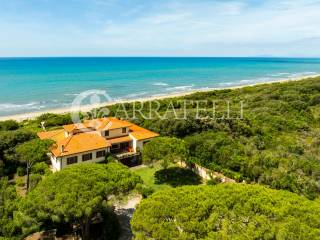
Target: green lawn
(147,175)
(159,179)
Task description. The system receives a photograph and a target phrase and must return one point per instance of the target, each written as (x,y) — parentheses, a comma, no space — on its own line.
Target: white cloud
(207,27)
(186,28)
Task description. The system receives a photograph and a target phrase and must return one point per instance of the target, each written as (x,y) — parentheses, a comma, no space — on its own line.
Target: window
(72,160)
(115,146)
(100,154)
(86,157)
(124,130)
(124,145)
(106,133)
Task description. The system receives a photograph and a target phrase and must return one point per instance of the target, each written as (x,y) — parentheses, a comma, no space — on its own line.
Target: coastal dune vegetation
(272,149)
(276,142)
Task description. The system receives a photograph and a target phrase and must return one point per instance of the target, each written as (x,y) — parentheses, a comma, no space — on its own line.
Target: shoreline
(86,108)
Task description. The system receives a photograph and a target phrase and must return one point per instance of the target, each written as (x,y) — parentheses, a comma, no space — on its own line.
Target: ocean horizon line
(133,56)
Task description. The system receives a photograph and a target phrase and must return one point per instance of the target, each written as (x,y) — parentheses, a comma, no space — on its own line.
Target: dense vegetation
(234,211)
(164,150)
(32,152)
(275,142)
(9,140)
(8,205)
(14,134)
(73,198)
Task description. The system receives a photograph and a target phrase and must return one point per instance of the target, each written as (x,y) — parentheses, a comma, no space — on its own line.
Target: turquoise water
(38,84)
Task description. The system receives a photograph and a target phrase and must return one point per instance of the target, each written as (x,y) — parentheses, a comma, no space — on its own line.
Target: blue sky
(160,28)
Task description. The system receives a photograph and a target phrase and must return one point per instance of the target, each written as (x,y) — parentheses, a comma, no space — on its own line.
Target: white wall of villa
(59,163)
(113,133)
(138,144)
(134,144)
(56,163)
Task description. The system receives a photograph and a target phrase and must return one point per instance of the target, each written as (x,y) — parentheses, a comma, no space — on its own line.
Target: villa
(92,140)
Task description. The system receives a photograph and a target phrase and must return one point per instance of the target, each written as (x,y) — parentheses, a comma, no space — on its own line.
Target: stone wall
(205,173)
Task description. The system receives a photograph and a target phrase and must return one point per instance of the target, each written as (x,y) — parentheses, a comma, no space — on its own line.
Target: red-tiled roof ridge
(66,141)
(99,124)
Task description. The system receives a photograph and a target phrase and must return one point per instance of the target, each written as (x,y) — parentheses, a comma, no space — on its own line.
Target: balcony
(126,155)
(128,158)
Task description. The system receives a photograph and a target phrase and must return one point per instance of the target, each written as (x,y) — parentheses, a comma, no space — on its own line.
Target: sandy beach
(86,108)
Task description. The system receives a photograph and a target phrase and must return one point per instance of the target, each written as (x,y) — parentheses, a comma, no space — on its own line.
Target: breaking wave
(160,84)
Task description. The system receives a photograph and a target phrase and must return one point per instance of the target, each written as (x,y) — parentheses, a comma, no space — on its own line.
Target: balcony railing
(124,155)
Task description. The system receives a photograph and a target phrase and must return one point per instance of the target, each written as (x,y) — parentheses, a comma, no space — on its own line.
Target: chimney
(62,148)
(42,125)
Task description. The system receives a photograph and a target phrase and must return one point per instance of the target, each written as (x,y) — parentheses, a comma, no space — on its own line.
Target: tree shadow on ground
(176,176)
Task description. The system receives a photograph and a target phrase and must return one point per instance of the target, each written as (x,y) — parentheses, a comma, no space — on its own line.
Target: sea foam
(160,84)
(180,88)
(12,106)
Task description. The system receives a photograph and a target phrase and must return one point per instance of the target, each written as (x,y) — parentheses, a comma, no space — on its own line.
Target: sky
(160,28)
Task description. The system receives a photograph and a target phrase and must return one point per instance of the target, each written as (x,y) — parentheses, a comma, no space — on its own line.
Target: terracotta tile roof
(69,127)
(89,141)
(55,135)
(120,140)
(77,126)
(111,123)
(82,142)
(140,133)
(98,124)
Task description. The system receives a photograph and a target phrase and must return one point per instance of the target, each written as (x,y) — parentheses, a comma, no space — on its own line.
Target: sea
(42,84)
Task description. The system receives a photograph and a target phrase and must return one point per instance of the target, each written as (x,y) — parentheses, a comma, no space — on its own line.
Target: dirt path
(138,167)
(124,213)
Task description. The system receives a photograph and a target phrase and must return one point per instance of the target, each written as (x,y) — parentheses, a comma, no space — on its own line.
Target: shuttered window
(72,160)
(86,157)
(100,154)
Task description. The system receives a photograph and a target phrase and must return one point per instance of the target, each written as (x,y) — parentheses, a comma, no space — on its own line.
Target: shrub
(20,182)
(9,125)
(111,159)
(9,201)
(34,180)
(214,181)
(9,139)
(40,168)
(144,190)
(177,176)
(51,120)
(315,100)
(21,171)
